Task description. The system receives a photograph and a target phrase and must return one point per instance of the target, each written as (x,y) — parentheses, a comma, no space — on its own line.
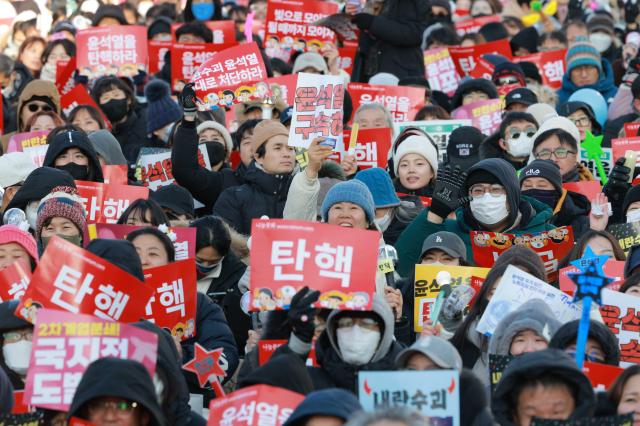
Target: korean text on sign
(441,71)
(120,50)
(14,280)
(106,203)
(402,102)
(621,313)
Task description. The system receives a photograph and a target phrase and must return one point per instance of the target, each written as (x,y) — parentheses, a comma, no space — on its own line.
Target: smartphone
(330,142)
(630,159)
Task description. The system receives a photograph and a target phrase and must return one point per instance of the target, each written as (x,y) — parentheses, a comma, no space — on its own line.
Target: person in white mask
(515,138)
(16,335)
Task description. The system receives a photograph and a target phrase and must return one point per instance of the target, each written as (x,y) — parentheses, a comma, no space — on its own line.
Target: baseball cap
(174,198)
(521,95)
(437,349)
(446,241)
(287,114)
(463,147)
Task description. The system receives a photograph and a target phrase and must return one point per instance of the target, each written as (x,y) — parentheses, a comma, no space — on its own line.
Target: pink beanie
(13,234)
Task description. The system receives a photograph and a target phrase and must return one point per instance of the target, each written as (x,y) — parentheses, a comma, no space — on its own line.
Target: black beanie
(527,38)
(546,169)
(632,196)
(531,71)
(473,84)
(160,25)
(482,176)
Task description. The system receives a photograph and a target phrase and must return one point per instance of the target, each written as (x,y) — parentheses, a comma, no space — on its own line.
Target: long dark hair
(212,232)
(615,392)
(582,243)
(164,239)
(141,207)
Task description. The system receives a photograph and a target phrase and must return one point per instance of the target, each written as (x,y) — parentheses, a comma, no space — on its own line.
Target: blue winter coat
(605,85)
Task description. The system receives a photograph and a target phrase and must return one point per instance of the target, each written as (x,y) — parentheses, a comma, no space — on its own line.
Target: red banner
(119,50)
(485,116)
(186,58)
(115,174)
(403,102)
(75,280)
(254,406)
(79,96)
(64,76)
(64,344)
(589,188)
(441,71)
(612,269)
(266,348)
(14,280)
(551,246)
(284,87)
(631,129)
(551,65)
(347,58)
(19,406)
(157,51)
(466,58)
(372,147)
(106,203)
(292,252)
(173,306)
(472,25)
(19,141)
(601,376)
(620,145)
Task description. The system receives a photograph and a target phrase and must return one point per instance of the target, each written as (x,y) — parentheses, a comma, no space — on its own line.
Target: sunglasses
(38,107)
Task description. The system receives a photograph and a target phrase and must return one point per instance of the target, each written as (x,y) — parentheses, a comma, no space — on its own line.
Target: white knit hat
(14,168)
(541,112)
(420,145)
(210,124)
(562,123)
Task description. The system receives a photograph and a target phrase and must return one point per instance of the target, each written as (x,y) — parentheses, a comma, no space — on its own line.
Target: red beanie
(13,234)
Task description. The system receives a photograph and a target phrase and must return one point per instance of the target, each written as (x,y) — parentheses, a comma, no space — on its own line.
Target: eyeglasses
(515,133)
(366,323)
(121,408)
(593,356)
(16,336)
(478,190)
(559,153)
(33,107)
(582,121)
(507,80)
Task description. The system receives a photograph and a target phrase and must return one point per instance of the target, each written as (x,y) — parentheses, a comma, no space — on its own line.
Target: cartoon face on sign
(30,310)
(333,299)
(284,296)
(481,240)
(558,235)
(521,240)
(358,301)
(539,241)
(263,299)
(501,241)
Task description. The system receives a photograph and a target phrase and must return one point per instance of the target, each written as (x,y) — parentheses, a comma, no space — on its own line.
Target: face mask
(16,356)
(547,196)
(202,11)
(32,214)
(357,345)
(75,240)
(601,41)
(488,209)
(216,152)
(48,72)
(521,147)
(633,216)
(384,222)
(115,109)
(77,171)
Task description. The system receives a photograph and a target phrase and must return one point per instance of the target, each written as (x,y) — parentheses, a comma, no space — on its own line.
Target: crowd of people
(425,204)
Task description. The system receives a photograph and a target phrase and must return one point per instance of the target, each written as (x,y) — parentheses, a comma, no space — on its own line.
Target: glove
(363,20)
(618,180)
(631,11)
(187,101)
(447,194)
(301,314)
(140,78)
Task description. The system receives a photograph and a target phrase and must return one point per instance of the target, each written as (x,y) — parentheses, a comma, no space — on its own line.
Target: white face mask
(384,222)
(488,209)
(601,41)
(48,72)
(357,345)
(16,356)
(521,147)
(32,214)
(633,215)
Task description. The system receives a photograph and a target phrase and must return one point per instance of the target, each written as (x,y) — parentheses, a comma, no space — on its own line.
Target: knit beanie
(542,112)
(482,176)
(13,234)
(561,123)
(265,130)
(581,53)
(63,201)
(353,191)
(108,11)
(421,145)
(471,85)
(526,38)
(546,169)
(210,124)
(161,109)
(379,183)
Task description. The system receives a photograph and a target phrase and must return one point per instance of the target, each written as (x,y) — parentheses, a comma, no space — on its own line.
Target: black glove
(187,99)
(618,183)
(631,11)
(447,194)
(363,20)
(301,314)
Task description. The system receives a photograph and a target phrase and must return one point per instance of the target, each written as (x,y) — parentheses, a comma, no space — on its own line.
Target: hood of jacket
(534,315)
(121,253)
(39,183)
(8,321)
(605,85)
(268,183)
(327,402)
(529,366)
(296,379)
(6,393)
(574,204)
(37,88)
(568,333)
(107,146)
(63,141)
(119,378)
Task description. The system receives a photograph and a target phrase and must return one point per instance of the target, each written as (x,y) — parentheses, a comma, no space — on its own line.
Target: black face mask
(115,109)
(216,152)
(77,171)
(548,196)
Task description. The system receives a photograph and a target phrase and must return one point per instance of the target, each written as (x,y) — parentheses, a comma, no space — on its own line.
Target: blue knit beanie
(379,183)
(581,53)
(352,191)
(161,109)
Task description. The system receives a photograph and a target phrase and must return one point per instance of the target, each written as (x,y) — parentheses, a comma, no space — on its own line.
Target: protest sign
(217,79)
(428,283)
(37,154)
(588,188)
(253,406)
(472,25)
(291,252)
(372,147)
(551,246)
(14,280)
(620,145)
(317,110)
(438,130)
(551,65)
(441,71)
(346,58)
(206,366)
(19,405)
(79,96)
(186,58)
(612,268)
(20,141)
(115,174)
(631,129)
(621,313)
(266,348)
(64,75)
(183,238)
(486,116)
(173,305)
(606,159)
(282,87)
(64,344)
(403,102)
(118,50)
(434,392)
(619,420)
(77,281)
(601,376)
(22,419)
(106,203)
(515,288)
(497,365)
(155,166)
(157,52)
(466,58)
(627,234)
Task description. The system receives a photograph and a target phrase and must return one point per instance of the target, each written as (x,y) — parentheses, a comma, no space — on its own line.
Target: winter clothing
(528,367)
(384,79)
(568,333)
(437,349)
(508,69)
(470,85)
(175,198)
(542,112)
(14,168)
(132,135)
(63,141)
(310,60)
(582,53)
(38,184)
(63,201)
(632,195)
(161,109)
(521,95)
(605,85)
(569,108)
(329,402)
(10,322)
(380,186)
(526,216)
(562,123)
(448,242)
(490,148)
(421,145)
(353,191)
(13,234)
(403,215)
(527,39)
(210,124)
(107,147)
(119,378)
(296,378)
(462,148)
(474,406)
(546,169)
(533,315)
(121,253)
(632,262)
(108,11)
(264,131)
(6,394)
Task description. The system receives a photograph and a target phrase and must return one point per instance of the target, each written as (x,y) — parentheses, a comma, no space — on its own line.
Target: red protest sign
(114,174)
(79,96)
(403,102)
(551,246)
(19,406)
(476,285)
(156,170)
(75,421)
(612,269)
(291,252)
(64,76)
(620,145)
(631,129)
(20,141)
(472,25)
(601,376)
(186,58)
(284,87)
(466,58)
(106,203)
(440,70)
(64,344)
(589,188)
(119,50)
(486,116)
(173,305)
(218,78)
(77,281)
(621,313)
(551,64)
(157,51)
(266,348)
(206,366)
(14,280)
(253,406)
(346,58)
(372,147)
